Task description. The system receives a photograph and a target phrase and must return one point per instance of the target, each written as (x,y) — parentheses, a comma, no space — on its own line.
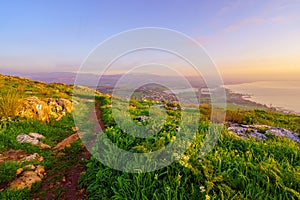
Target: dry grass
(10,101)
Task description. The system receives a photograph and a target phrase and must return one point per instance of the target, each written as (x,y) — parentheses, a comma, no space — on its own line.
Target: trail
(63,184)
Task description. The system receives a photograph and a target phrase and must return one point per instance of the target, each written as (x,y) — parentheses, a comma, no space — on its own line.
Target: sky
(250,40)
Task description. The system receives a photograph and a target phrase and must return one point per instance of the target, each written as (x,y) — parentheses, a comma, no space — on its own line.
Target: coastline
(246,99)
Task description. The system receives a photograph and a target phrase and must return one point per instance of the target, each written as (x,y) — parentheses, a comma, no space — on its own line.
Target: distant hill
(106,80)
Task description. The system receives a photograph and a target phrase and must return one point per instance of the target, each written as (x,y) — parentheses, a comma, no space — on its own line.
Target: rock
(244,131)
(141,118)
(19,171)
(40,171)
(25,181)
(33,138)
(44,108)
(23,138)
(75,128)
(29,167)
(44,146)
(67,141)
(258,135)
(33,157)
(36,135)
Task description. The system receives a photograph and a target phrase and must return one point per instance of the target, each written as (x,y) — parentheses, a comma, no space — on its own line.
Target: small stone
(33,157)
(75,128)
(19,171)
(40,171)
(29,167)
(44,146)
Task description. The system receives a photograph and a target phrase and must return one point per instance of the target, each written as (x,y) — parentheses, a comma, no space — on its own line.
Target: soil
(12,155)
(99,121)
(64,184)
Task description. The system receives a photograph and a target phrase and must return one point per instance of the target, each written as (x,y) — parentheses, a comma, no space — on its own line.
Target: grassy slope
(53,131)
(234,169)
(27,87)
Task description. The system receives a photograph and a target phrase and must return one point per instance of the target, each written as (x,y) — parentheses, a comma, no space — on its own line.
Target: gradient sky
(251,39)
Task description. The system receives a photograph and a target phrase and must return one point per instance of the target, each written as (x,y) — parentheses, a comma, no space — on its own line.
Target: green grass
(234,169)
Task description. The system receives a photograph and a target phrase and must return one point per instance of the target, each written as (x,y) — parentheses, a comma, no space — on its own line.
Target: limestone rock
(19,171)
(67,141)
(23,138)
(33,138)
(255,131)
(29,167)
(40,171)
(33,157)
(36,135)
(44,108)
(44,146)
(25,181)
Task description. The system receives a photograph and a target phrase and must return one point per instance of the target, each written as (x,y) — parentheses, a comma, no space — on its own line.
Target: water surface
(280,94)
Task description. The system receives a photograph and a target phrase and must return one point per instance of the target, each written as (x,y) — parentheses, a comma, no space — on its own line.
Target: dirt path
(63,184)
(99,121)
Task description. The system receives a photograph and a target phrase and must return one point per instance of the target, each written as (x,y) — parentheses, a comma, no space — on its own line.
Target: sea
(284,95)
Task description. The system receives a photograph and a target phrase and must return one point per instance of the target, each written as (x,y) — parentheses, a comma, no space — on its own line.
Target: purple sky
(250,38)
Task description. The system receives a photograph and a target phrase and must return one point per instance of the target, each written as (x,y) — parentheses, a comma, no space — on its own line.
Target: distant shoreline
(247,99)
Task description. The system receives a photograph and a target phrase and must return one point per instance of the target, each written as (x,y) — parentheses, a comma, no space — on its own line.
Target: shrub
(10,101)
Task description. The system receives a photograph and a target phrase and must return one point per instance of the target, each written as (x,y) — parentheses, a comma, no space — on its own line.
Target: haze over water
(282,94)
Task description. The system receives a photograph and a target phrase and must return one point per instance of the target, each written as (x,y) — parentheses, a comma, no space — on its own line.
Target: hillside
(256,155)
(35,160)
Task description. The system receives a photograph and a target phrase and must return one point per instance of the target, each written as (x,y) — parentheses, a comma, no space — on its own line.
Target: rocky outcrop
(261,131)
(44,109)
(26,175)
(25,179)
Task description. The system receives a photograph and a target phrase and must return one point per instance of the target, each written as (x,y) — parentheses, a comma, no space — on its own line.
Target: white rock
(36,135)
